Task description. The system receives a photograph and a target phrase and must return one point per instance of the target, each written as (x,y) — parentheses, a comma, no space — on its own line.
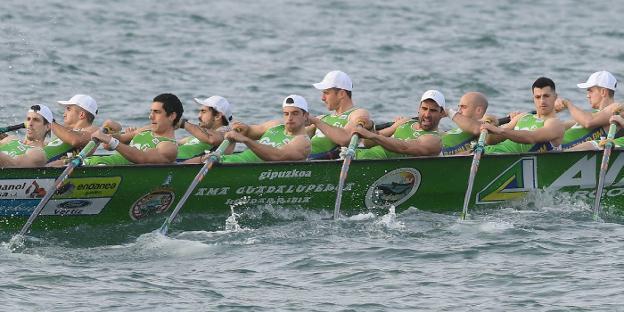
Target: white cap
(435,95)
(335,79)
(44,111)
(84,101)
(219,103)
(294,100)
(601,78)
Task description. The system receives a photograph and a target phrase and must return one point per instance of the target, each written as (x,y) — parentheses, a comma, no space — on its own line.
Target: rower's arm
(493,137)
(71,137)
(254,132)
(297,149)
(342,136)
(425,145)
(590,120)
(209,136)
(552,131)
(164,153)
(467,124)
(34,157)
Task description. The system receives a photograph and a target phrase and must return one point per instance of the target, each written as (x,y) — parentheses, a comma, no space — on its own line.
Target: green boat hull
(133,194)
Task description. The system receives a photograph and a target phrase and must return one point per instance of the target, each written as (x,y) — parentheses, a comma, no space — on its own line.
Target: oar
(12,128)
(473,172)
(603,167)
(58,183)
(344,171)
(212,158)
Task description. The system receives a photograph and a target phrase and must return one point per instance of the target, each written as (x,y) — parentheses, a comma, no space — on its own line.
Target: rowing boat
(127,194)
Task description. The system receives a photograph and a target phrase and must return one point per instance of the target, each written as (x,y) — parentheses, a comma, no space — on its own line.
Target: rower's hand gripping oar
(58,183)
(210,161)
(12,128)
(604,165)
(473,171)
(350,153)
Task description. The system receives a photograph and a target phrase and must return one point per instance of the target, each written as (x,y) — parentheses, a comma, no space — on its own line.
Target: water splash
(231,225)
(389,220)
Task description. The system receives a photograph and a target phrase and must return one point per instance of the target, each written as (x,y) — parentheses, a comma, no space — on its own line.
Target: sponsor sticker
(155,202)
(89,187)
(55,207)
(393,188)
(24,188)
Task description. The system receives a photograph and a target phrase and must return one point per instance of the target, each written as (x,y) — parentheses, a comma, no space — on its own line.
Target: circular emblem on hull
(150,204)
(393,188)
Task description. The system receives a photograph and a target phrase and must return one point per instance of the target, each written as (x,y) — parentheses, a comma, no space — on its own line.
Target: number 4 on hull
(515,182)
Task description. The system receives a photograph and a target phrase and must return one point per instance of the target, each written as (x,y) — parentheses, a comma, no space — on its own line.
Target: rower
(75,133)
(407,137)
(272,140)
(540,132)
(156,145)
(215,115)
(471,109)
(29,151)
(587,127)
(330,132)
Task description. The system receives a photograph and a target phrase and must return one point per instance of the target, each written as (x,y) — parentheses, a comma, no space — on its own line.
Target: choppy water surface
(549,255)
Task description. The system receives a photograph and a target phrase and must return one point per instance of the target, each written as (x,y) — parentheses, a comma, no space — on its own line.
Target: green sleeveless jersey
(403,132)
(15,148)
(142,141)
(528,122)
(456,141)
(275,137)
(320,143)
(192,148)
(577,134)
(57,149)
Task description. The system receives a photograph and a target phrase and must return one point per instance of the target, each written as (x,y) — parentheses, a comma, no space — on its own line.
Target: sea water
(541,254)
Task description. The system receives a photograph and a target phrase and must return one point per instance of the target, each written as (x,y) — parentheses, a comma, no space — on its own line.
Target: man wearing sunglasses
(29,151)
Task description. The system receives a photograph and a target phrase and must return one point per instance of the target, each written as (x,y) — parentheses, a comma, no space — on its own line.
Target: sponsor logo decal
(393,188)
(73,204)
(516,181)
(155,202)
(23,188)
(89,187)
(150,204)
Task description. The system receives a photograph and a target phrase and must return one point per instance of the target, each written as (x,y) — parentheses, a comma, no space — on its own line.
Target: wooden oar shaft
(474,167)
(604,165)
(12,128)
(212,159)
(343,173)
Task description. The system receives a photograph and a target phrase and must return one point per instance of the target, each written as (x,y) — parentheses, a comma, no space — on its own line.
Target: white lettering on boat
(287,174)
(204,191)
(272,189)
(583,174)
(273,200)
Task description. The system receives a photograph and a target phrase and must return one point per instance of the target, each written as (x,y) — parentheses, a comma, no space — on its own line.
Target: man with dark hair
(407,137)
(332,131)
(540,132)
(28,152)
(155,145)
(273,140)
(587,127)
(77,127)
(215,115)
